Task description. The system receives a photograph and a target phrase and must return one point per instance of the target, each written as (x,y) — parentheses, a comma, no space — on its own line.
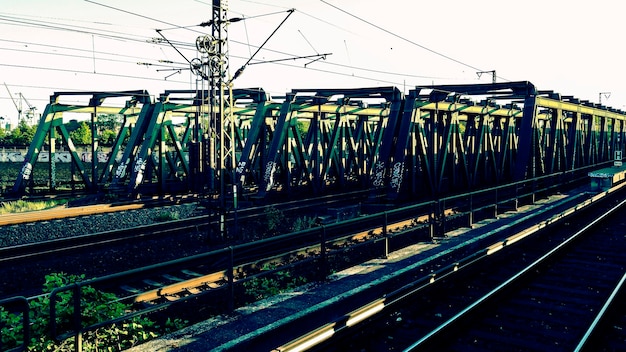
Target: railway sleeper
(571,281)
(495,340)
(582,289)
(192,286)
(589,261)
(570,317)
(130,289)
(547,332)
(153,283)
(191,273)
(580,297)
(193,290)
(172,278)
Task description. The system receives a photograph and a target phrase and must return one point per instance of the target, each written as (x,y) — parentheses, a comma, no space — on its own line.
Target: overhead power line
(117,35)
(401,37)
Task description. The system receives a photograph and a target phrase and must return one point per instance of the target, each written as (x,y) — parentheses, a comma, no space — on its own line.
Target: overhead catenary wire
(73,29)
(401,37)
(192,47)
(240,70)
(86,51)
(184,46)
(311,45)
(321,20)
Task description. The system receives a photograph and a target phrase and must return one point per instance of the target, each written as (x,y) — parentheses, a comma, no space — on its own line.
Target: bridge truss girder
(53,132)
(437,139)
(514,133)
(316,139)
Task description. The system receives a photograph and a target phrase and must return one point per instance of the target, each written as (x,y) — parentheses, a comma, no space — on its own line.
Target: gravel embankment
(48,230)
(26,277)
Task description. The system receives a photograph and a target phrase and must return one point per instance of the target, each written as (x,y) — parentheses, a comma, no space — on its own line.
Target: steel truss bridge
(433,140)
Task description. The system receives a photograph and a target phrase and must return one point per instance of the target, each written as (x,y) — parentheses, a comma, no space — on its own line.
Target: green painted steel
(433,141)
(52,130)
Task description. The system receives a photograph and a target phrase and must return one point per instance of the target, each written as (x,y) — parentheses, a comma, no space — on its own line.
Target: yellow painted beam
(578,108)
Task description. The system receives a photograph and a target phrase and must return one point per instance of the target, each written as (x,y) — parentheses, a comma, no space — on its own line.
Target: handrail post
(431,221)
(495,204)
(78,341)
(24,308)
(442,228)
(385,236)
(470,216)
(323,257)
(436,220)
(76,316)
(534,190)
(231,279)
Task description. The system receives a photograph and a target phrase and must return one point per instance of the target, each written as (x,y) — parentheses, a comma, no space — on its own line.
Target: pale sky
(571,47)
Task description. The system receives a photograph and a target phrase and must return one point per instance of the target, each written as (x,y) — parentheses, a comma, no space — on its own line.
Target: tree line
(80,132)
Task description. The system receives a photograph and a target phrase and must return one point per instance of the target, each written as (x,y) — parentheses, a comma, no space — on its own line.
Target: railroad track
(157,287)
(106,237)
(542,294)
(192,279)
(548,305)
(607,331)
(63,246)
(63,212)
(138,238)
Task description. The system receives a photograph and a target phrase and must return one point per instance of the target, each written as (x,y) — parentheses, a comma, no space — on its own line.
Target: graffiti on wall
(18,155)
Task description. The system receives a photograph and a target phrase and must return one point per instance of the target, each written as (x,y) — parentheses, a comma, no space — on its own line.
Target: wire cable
(401,37)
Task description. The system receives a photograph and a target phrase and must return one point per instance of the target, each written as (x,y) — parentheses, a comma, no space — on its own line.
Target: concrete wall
(16,155)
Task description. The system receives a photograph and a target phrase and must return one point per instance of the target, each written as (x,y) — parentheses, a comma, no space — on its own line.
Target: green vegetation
(269,285)
(80,132)
(303,223)
(96,306)
(22,135)
(275,223)
(167,215)
(20,206)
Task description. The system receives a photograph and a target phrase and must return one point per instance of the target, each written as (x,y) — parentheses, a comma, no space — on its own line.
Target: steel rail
(195,284)
(66,244)
(513,279)
(596,322)
(327,331)
(63,212)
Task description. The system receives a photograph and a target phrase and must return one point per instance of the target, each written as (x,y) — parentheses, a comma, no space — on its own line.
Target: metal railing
(16,305)
(227,259)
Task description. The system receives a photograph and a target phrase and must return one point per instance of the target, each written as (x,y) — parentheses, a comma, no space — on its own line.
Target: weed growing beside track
(20,206)
(97,306)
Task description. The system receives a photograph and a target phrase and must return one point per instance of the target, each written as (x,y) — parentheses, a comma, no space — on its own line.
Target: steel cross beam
(52,124)
(316,136)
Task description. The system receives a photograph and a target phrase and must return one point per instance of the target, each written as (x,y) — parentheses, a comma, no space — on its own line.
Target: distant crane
(30,113)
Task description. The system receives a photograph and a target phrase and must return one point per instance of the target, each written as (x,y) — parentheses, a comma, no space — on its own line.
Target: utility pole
(224,120)
(216,146)
(212,68)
